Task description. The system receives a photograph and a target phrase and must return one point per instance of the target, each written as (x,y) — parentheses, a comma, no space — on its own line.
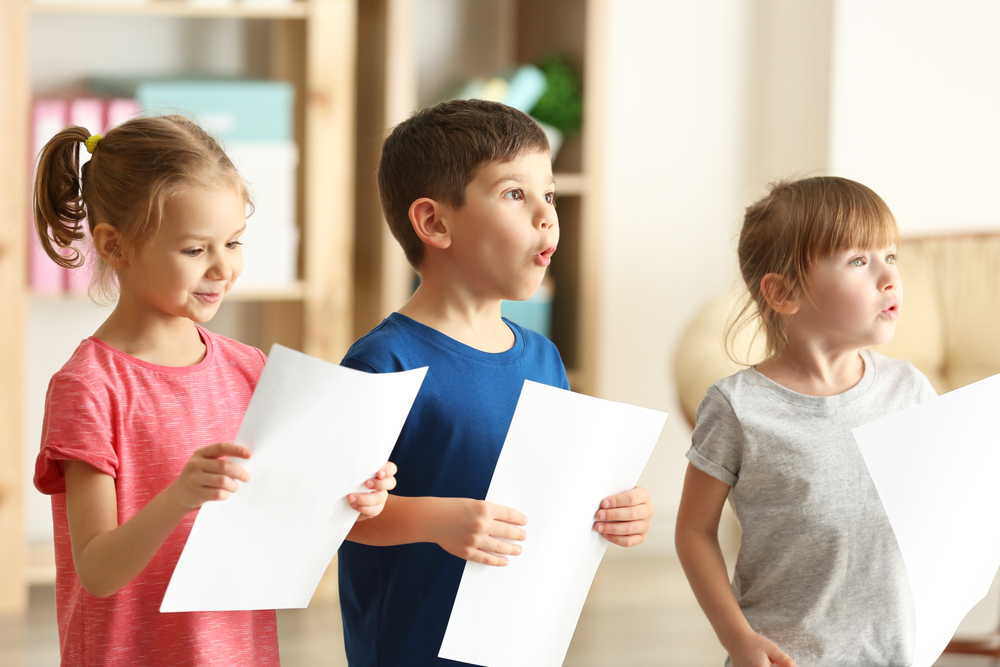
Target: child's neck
(457,313)
(151,337)
(813,369)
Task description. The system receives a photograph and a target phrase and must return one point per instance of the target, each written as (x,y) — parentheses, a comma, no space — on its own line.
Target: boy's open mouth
(545,257)
(892,312)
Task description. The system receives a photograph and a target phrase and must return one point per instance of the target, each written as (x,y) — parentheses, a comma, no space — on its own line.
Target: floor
(640,613)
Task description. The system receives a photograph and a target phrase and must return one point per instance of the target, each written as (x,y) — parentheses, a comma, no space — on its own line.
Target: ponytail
(58,198)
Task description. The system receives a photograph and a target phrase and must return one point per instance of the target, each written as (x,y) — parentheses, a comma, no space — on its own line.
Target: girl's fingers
(220,482)
(224,467)
(388,470)
(384,484)
(218,449)
(358,500)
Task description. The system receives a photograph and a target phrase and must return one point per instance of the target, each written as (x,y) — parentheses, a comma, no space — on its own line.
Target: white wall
(916,109)
(676,176)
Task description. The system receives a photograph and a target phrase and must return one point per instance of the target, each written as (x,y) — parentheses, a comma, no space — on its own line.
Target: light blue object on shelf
(527,86)
(534,313)
(230,110)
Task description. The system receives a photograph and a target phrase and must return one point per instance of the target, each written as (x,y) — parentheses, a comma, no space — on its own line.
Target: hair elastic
(91,142)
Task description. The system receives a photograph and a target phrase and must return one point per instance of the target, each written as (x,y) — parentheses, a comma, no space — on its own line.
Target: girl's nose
(220,268)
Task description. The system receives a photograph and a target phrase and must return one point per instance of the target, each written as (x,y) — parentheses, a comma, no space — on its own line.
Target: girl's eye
(193,252)
(516,194)
(550,198)
(858,261)
(233,244)
(890,259)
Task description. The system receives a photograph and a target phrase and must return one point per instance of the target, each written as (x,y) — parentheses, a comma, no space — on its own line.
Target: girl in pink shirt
(140,421)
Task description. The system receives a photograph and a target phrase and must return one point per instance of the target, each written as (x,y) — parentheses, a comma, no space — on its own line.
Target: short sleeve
(356,364)
(927,391)
(77,426)
(717,441)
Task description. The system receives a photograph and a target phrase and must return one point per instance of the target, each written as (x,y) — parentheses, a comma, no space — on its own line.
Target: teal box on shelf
(534,313)
(234,110)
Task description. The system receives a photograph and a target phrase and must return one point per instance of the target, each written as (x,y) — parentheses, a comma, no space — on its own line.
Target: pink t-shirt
(140,423)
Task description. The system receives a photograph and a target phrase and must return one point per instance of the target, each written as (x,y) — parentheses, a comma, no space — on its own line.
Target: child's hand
(471,529)
(207,476)
(371,504)
(625,519)
(759,651)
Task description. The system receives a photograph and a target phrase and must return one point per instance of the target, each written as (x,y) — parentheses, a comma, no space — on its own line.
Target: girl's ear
(427,218)
(780,294)
(109,246)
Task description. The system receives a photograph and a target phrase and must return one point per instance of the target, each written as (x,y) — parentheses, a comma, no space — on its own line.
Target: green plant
(562,104)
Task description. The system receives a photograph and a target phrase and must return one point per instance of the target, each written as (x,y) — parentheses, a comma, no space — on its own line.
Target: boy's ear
(108,244)
(780,294)
(427,218)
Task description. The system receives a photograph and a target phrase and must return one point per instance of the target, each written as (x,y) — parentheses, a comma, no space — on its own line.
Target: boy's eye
(517,194)
(193,252)
(550,198)
(890,259)
(233,244)
(858,261)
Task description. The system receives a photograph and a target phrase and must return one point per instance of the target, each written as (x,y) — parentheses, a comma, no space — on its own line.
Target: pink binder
(44,275)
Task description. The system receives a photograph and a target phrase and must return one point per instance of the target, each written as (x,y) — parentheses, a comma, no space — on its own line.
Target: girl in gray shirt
(819,578)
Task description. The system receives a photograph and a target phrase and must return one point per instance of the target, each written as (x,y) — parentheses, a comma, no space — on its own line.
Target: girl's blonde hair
(134,170)
(791,229)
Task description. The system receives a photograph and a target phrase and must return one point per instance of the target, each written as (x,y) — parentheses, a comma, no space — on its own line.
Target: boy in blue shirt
(467,190)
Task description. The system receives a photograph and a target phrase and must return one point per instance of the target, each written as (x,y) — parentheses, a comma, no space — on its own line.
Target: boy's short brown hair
(437,152)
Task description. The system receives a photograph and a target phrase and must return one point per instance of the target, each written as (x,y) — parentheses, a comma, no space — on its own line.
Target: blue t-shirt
(396,601)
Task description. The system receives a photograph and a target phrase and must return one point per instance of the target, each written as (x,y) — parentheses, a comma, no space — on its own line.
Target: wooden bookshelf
(313,45)
(181,8)
(388,81)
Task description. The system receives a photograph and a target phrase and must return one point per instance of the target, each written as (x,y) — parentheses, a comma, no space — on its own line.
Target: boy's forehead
(528,167)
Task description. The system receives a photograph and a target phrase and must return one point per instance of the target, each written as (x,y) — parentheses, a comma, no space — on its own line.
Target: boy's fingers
(388,470)
(508,531)
(501,547)
(486,558)
(622,527)
(501,513)
(624,540)
(633,513)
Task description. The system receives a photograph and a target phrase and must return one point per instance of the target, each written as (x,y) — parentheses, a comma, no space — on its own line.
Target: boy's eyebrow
(518,178)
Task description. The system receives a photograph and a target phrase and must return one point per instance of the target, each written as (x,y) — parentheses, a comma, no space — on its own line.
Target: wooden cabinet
(308,42)
(499,33)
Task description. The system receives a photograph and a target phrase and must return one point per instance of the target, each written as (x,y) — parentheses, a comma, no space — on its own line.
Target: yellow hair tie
(91,143)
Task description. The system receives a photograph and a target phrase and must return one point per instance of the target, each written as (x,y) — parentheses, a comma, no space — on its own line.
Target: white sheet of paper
(317,431)
(564,453)
(935,468)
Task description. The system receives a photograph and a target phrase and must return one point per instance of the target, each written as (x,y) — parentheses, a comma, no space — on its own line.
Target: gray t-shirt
(819,572)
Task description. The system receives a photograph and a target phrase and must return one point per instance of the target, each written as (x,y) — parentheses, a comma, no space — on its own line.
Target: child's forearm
(705,567)
(403,520)
(108,556)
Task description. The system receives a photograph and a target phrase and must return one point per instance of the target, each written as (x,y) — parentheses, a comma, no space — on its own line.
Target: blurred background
(670,117)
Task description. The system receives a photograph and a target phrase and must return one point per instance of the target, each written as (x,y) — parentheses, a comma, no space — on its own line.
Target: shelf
(177,8)
(570,184)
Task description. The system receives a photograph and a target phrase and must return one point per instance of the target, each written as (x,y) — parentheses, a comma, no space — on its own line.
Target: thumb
(780,658)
